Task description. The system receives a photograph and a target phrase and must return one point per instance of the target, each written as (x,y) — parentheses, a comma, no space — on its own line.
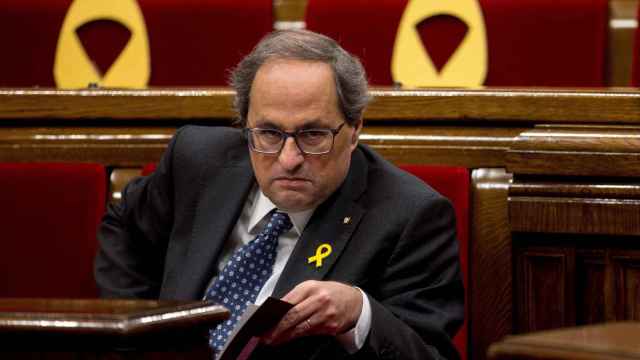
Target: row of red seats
(196,42)
(51,212)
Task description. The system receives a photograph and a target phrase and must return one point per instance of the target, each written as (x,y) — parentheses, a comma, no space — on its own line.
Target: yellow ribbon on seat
(74,69)
(410,62)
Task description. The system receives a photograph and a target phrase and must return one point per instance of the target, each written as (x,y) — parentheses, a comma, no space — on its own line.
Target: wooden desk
(610,341)
(105,325)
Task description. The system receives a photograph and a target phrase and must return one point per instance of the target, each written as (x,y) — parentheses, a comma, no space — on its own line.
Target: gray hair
(349,74)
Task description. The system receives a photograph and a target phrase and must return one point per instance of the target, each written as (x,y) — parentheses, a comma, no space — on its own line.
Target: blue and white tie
(244,275)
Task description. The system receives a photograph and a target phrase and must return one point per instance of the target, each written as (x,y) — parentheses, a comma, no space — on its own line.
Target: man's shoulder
(197,145)
(194,135)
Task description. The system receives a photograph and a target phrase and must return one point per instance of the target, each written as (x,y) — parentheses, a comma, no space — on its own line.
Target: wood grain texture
(576,150)
(626,272)
(491,315)
(614,341)
(592,296)
(574,215)
(577,188)
(156,104)
(508,105)
(135,146)
(487,105)
(545,288)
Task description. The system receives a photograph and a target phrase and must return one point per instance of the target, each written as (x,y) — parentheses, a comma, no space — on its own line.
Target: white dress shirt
(251,221)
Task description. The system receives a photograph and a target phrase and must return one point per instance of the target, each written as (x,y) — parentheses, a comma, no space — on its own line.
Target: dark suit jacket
(163,241)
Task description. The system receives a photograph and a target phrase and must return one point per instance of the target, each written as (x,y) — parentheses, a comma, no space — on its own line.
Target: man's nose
(290,156)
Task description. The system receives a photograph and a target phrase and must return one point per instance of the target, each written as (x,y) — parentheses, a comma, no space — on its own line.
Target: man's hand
(320,308)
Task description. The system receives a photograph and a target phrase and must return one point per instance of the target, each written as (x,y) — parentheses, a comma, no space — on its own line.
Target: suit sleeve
(420,304)
(134,233)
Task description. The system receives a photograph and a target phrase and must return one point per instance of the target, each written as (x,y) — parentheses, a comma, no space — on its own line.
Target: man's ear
(356,134)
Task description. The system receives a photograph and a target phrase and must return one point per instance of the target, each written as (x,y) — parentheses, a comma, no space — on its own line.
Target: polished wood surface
(105,317)
(611,341)
(88,329)
(580,150)
(492,105)
(590,206)
(135,146)
(105,325)
(491,315)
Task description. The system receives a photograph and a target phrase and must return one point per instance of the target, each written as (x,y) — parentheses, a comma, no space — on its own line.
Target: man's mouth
(291,181)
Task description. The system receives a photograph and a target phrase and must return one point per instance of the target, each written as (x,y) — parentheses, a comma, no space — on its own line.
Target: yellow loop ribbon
(410,63)
(322,252)
(74,69)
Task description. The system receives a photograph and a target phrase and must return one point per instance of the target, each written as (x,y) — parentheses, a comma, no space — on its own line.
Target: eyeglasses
(309,141)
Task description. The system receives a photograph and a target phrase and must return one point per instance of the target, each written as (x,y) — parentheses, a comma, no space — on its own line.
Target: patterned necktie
(243,276)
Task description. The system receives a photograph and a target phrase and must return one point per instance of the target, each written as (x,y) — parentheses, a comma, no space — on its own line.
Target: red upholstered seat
(531,42)
(148,169)
(49,217)
(192,42)
(453,183)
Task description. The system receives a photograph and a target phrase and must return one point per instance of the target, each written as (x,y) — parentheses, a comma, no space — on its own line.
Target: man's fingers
(320,307)
(293,323)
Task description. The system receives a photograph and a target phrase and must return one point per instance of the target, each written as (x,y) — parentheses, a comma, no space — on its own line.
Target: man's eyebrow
(311,124)
(266,124)
(314,124)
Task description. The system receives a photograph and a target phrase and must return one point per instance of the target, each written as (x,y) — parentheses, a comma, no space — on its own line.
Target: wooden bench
(554,180)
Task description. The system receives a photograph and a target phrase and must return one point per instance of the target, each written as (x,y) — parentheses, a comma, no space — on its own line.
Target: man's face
(292,95)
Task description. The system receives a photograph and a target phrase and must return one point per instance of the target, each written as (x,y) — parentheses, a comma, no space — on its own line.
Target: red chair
(49,218)
(191,42)
(453,183)
(530,42)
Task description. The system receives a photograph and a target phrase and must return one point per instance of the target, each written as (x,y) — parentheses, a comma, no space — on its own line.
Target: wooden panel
(507,105)
(576,151)
(491,315)
(627,284)
(545,288)
(576,188)
(575,215)
(136,146)
(289,10)
(110,146)
(615,341)
(154,104)
(590,287)
(622,27)
(486,105)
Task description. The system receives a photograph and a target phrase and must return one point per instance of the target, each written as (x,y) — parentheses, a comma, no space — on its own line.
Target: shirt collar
(262,205)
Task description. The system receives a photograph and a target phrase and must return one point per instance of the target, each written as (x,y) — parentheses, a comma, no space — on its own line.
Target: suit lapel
(224,192)
(332,224)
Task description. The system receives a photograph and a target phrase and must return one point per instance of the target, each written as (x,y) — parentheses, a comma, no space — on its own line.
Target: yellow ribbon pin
(322,252)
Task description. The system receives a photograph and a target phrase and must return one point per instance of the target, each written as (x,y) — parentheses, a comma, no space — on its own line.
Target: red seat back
(453,183)
(49,218)
(191,42)
(530,42)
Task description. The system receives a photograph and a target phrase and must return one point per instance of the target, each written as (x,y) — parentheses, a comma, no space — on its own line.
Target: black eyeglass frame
(293,134)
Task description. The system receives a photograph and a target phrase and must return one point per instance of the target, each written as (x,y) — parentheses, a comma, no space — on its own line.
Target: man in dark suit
(365,252)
